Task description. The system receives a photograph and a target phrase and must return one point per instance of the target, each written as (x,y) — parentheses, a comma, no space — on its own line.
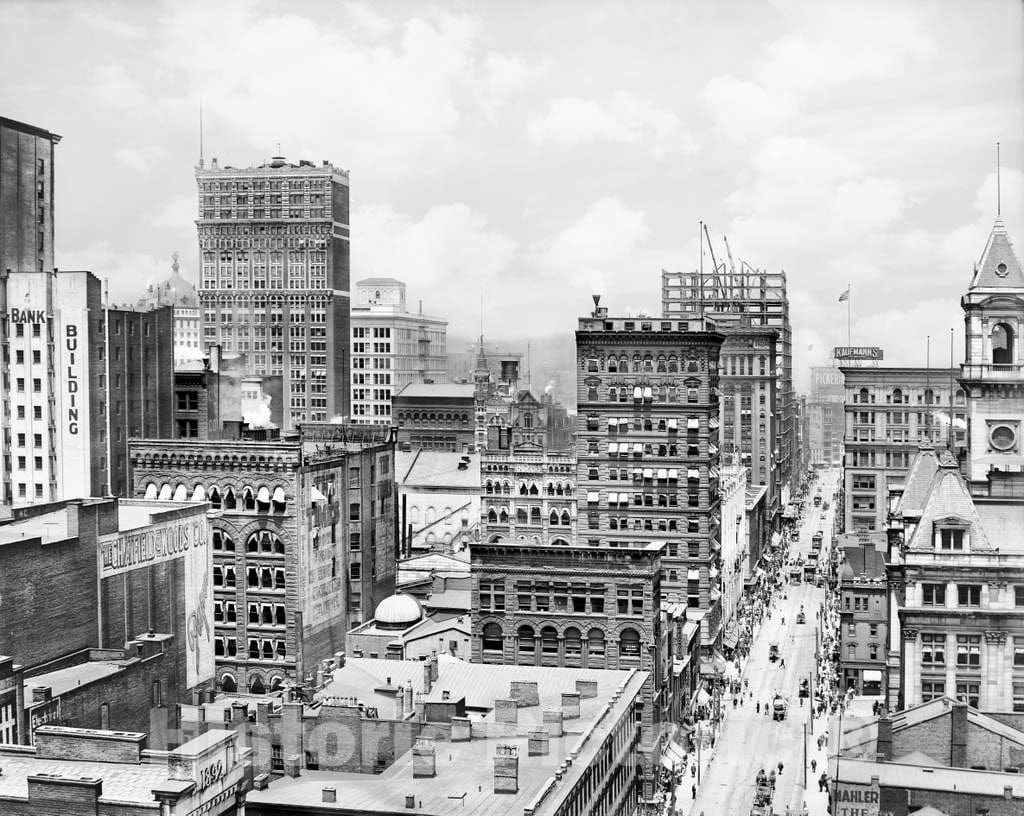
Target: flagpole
(849,330)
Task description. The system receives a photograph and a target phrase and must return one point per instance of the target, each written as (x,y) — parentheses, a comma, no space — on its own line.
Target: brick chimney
(506,769)
(586,688)
(292,765)
(462,729)
(506,711)
(329,794)
(538,743)
(553,721)
(570,705)
(958,735)
(525,692)
(424,759)
(883,746)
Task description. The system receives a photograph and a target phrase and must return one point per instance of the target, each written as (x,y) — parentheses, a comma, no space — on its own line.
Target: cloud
(179,213)
(447,258)
(126,272)
(103,24)
(140,159)
(624,119)
(368,20)
(590,250)
(114,87)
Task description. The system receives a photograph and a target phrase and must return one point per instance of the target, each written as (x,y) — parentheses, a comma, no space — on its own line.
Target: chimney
(958,735)
(553,722)
(570,705)
(339,660)
(330,794)
(261,781)
(586,688)
(506,769)
(424,759)
(410,801)
(525,692)
(506,711)
(433,667)
(399,705)
(538,743)
(41,694)
(428,677)
(883,747)
(292,766)
(462,729)
(407,691)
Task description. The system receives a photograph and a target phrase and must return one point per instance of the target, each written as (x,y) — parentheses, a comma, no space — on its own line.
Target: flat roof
(437,469)
(465,772)
(959,780)
(1003,523)
(51,526)
(438,391)
(64,680)
(34,130)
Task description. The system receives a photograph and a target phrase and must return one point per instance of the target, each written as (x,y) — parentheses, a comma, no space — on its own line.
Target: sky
(534,154)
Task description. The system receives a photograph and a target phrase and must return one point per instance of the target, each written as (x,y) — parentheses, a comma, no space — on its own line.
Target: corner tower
(992,374)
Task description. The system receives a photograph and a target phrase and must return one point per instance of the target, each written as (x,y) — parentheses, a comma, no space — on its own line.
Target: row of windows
(258,648)
(528,640)
(661,364)
(501,516)
(528,489)
(260,500)
(257,577)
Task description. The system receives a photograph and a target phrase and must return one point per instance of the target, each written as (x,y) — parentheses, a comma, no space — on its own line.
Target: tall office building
(647,446)
(177,292)
(751,298)
(26,197)
(825,408)
(274,247)
(391,348)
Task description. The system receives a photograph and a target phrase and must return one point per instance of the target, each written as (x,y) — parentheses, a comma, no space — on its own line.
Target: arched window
(629,644)
(533,490)
(549,640)
(523,490)
(553,518)
(414,514)
(897,396)
(862,395)
(507,489)
(228,684)
(492,517)
(521,517)
(215,500)
(566,518)
(527,647)
(503,516)
(248,499)
(534,515)
(431,515)
(929,396)
(595,643)
(229,499)
(491,638)
(253,543)
(573,642)
(489,487)
(276,682)
(1002,344)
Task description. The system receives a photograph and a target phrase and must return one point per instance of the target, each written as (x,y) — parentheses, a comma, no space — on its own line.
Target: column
(911,668)
(951,664)
(996,678)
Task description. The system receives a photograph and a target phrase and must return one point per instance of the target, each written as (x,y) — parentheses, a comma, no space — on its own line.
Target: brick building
(574,605)
(528,495)
(889,411)
(647,445)
(274,247)
(99,772)
(113,608)
(436,416)
(26,197)
(438,500)
(303,540)
(863,615)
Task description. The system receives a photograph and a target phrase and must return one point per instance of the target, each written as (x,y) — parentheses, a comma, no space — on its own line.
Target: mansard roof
(919,482)
(999,267)
(949,499)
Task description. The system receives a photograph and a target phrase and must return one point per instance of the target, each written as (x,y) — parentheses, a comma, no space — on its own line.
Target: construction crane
(732,268)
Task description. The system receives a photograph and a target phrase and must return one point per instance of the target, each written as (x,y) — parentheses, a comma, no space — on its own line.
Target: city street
(750,740)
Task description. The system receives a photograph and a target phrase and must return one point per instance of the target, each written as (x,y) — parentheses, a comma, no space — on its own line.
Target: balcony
(995,372)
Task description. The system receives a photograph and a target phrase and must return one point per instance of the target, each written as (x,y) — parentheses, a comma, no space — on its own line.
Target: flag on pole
(845,295)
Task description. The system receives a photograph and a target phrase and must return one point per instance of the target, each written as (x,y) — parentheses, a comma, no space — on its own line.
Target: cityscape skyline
(592,170)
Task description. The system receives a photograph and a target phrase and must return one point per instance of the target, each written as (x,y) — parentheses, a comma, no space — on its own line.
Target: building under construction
(741,300)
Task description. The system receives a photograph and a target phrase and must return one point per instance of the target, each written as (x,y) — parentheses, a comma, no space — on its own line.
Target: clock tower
(992,374)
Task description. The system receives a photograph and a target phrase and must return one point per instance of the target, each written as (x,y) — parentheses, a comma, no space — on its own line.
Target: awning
(638,393)
(648,473)
(315,495)
(593,498)
(613,422)
(648,393)
(613,447)
(662,474)
(279,495)
(673,425)
(199,494)
(693,422)
(703,698)
(673,474)
(713,572)
(180,493)
(165,493)
(694,474)
(638,447)
(674,752)
(623,422)
(151,491)
(693,575)
(730,639)
(872,676)
(613,499)
(667,762)
(263,495)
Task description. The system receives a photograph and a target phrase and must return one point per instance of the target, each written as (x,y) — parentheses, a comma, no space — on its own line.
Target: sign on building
(857,353)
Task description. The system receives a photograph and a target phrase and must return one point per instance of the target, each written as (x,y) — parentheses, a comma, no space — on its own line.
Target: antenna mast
(999,191)
(201,133)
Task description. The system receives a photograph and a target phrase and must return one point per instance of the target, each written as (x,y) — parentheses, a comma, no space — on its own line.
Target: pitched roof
(999,267)
(949,498)
(437,391)
(919,482)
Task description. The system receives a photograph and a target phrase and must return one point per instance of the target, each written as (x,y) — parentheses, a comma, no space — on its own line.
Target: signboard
(41,714)
(186,539)
(857,353)
(862,800)
(71,374)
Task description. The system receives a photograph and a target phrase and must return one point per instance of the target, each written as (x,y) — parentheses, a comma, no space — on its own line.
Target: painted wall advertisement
(71,345)
(187,539)
(861,800)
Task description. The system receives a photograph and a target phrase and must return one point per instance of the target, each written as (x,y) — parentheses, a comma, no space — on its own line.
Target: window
(1002,344)
(595,643)
(968,651)
(968,594)
(629,644)
(1018,595)
(968,693)
(933,594)
(527,646)
(951,539)
(573,642)
(491,639)
(187,400)
(932,690)
(1018,697)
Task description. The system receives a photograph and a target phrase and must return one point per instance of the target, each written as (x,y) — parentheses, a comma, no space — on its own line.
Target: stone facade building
(436,416)
(647,449)
(274,248)
(889,411)
(302,536)
(863,615)
(528,495)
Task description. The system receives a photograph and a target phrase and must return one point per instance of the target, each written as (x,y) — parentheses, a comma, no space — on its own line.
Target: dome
(398,611)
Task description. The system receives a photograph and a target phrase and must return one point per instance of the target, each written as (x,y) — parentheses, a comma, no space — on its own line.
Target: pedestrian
(734,702)
(782,663)
(759,710)
(814,765)
(780,769)
(693,769)
(693,791)
(823,781)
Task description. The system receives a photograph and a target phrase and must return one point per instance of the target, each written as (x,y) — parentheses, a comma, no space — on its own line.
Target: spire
(999,266)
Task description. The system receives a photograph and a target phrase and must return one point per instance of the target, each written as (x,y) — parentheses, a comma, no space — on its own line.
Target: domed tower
(398,612)
(992,374)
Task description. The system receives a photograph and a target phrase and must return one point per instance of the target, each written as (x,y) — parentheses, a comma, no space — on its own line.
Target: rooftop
(999,267)
(34,130)
(51,526)
(61,681)
(437,391)
(438,469)
(862,561)
(917,777)
(1003,522)
(465,774)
